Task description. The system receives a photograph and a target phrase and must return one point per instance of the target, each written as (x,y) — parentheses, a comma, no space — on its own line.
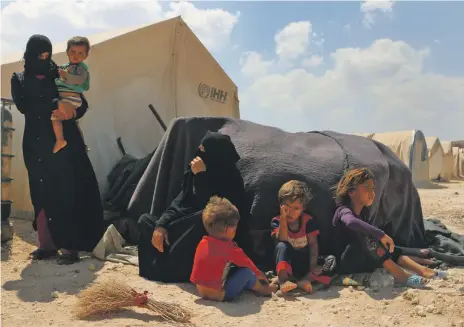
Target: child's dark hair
(294,190)
(350,180)
(77,41)
(219,214)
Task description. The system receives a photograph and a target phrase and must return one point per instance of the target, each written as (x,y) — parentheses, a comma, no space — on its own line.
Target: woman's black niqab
(220,152)
(33,64)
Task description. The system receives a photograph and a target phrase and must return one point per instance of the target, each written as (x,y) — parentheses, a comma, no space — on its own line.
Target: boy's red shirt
(212,257)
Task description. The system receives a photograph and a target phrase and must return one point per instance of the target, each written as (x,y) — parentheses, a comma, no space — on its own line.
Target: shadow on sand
(39,279)
(251,304)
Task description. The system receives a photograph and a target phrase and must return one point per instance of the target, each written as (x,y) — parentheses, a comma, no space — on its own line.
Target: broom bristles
(113,295)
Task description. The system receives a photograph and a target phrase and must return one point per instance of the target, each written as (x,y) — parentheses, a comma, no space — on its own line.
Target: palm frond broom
(113,295)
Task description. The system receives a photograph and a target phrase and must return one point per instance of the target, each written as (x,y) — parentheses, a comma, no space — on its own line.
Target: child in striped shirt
(73,81)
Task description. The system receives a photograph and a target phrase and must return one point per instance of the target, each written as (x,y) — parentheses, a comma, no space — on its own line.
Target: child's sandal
(306,286)
(416,281)
(287,287)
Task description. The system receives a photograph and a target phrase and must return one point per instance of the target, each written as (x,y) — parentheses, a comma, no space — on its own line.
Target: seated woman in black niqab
(167,244)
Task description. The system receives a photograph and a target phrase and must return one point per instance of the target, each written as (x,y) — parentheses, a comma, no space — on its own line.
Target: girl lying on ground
(366,247)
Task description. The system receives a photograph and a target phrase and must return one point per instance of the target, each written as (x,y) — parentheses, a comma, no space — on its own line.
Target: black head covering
(219,152)
(36,45)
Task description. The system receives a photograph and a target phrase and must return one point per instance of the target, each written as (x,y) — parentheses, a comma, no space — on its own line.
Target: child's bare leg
(422,261)
(408,263)
(397,272)
(58,130)
(403,277)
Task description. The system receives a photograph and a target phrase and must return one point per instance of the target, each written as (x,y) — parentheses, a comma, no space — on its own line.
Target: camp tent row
(458,163)
(162,64)
(427,157)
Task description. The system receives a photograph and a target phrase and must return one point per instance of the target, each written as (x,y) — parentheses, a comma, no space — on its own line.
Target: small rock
(415,301)
(54,294)
(385,302)
(438,311)
(77,271)
(335,311)
(409,294)
(350,288)
(360,288)
(15,269)
(430,308)
(92,267)
(442,284)
(275,297)
(420,311)
(396,321)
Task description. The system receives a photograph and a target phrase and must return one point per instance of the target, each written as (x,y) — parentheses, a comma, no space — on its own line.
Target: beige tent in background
(163,64)
(457,171)
(436,156)
(447,171)
(368,135)
(461,163)
(411,148)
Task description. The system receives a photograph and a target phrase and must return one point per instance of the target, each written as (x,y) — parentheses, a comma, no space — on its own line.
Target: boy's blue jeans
(241,280)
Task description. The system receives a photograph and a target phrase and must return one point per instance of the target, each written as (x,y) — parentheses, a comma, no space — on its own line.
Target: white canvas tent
(461,163)
(457,163)
(368,135)
(455,174)
(447,170)
(411,148)
(162,64)
(436,157)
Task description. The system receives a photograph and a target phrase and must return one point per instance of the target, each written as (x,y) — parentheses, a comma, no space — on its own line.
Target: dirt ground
(43,293)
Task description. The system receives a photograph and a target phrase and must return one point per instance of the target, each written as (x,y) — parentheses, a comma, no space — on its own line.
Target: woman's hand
(65,111)
(197,165)
(160,235)
(388,242)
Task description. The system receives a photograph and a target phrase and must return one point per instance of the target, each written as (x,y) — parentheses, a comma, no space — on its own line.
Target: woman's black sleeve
(82,110)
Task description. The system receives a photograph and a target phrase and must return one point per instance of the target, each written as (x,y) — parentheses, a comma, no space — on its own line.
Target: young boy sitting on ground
(295,233)
(216,253)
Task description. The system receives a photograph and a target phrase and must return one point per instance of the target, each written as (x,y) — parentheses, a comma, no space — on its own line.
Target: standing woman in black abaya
(63,187)
(167,243)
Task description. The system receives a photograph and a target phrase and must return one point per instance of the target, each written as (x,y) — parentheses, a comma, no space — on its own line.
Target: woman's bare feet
(60,144)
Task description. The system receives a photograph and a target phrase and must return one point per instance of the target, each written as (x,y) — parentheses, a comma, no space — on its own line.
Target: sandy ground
(27,289)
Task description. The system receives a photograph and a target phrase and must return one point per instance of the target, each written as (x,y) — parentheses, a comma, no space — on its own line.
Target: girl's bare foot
(305,285)
(60,144)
